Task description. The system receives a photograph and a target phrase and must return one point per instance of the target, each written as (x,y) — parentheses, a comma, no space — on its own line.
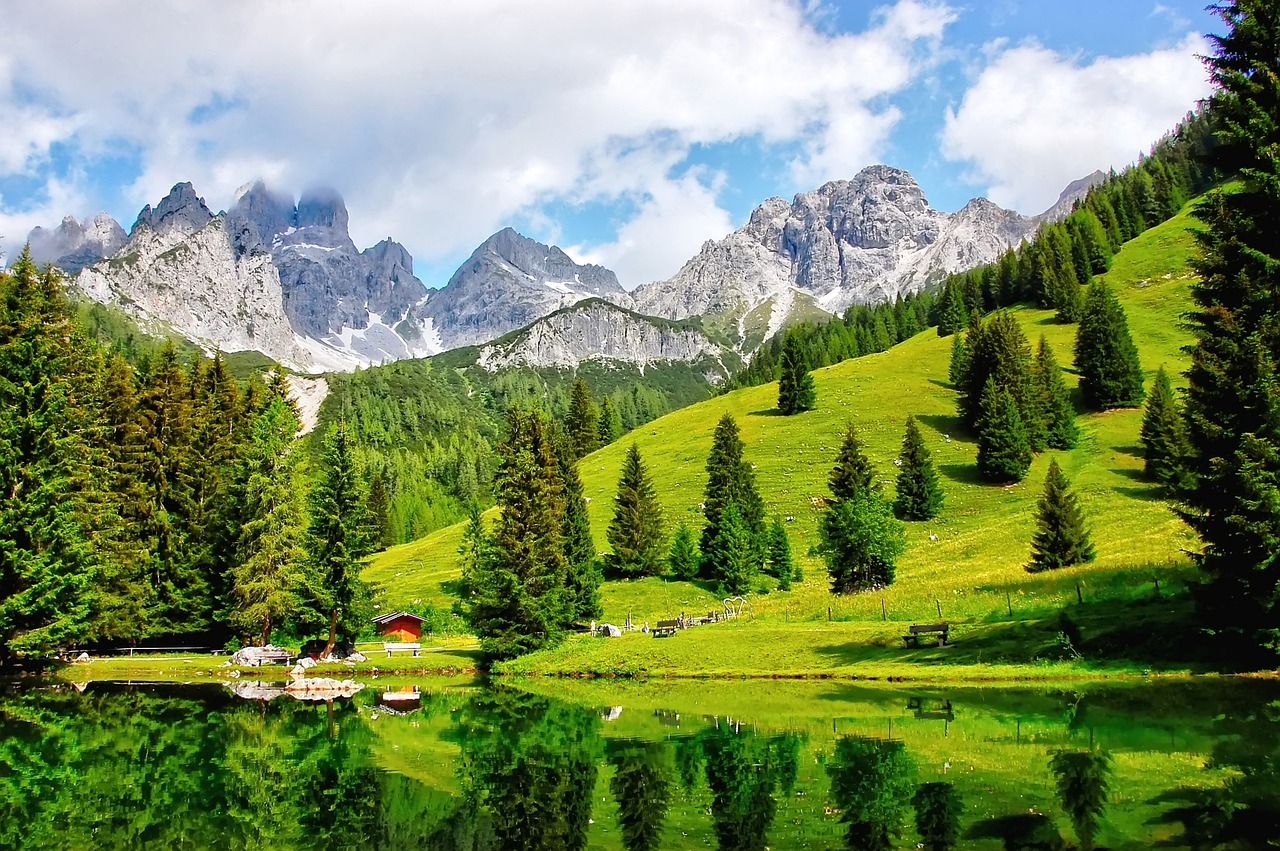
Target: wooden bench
(912,638)
(665,628)
(392,647)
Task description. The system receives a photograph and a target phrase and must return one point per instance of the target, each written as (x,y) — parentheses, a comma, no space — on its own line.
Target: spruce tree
(518,602)
(683,560)
(1163,440)
(1061,539)
(583,421)
(636,532)
(1061,431)
(338,536)
(474,553)
(609,426)
(795,384)
(860,541)
(852,475)
(729,481)
(919,495)
(1232,405)
(998,350)
(959,356)
(779,555)
(1107,359)
(582,573)
(47,567)
(380,512)
(732,552)
(270,574)
(938,809)
(1004,454)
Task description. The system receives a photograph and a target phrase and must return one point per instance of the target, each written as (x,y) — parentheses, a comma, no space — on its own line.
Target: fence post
(939,602)
(1157,586)
(1079,595)
(884,613)
(828,614)
(1008,603)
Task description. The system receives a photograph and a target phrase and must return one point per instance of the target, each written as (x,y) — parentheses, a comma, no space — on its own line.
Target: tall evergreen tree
(938,809)
(636,532)
(732,552)
(795,384)
(380,512)
(47,568)
(1060,429)
(339,536)
(919,495)
(683,560)
(860,541)
(1084,784)
(1107,359)
(583,422)
(852,475)
(642,785)
(269,575)
(958,362)
(1164,447)
(1004,453)
(1233,396)
(582,573)
(1061,539)
(609,426)
(779,555)
(730,480)
(518,602)
(998,350)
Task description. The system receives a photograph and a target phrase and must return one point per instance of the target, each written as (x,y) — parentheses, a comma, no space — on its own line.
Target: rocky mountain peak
(322,207)
(269,212)
(73,245)
(181,211)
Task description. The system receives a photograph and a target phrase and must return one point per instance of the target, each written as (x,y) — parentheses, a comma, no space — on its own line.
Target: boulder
(252,657)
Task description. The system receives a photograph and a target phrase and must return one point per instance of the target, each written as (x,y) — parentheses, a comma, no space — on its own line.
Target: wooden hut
(399,627)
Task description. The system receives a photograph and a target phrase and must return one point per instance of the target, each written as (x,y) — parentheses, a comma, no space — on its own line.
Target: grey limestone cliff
(72,245)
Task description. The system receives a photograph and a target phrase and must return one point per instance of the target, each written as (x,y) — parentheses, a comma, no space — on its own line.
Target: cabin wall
(403,630)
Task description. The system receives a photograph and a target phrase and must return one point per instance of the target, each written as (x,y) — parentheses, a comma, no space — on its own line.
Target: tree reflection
(938,808)
(641,785)
(1020,832)
(1083,780)
(871,781)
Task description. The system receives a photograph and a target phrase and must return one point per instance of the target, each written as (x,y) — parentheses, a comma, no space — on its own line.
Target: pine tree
(1107,359)
(1232,405)
(1000,351)
(380,512)
(1004,454)
(518,601)
(1163,440)
(852,476)
(582,574)
(338,536)
(1055,405)
(779,556)
(733,553)
(583,421)
(269,575)
(919,495)
(1061,539)
(636,532)
(1083,779)
(959,356)
(860,541)
(609,426)
(474,553)
(684,559)
(729,481)
(47,568)
(938,809)
(795,385)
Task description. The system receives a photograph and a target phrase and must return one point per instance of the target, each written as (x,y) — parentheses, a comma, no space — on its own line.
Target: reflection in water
(1083,779)
(871,781)
(490,769)
(641,785)
(938,808)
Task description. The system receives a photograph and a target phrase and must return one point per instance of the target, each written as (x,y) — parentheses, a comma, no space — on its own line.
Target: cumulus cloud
(1034,120)
(441,122)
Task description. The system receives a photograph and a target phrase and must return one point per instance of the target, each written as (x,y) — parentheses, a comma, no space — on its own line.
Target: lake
(570,764)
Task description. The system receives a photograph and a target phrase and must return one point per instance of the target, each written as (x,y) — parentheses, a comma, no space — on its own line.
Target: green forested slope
(973,553)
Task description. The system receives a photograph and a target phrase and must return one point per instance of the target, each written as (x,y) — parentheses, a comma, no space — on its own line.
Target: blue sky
(627,133)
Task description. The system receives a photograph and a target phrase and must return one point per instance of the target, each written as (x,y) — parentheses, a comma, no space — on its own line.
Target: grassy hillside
(968,559)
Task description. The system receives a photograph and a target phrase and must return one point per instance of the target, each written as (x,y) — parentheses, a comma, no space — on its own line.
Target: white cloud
(1035,120)
(440,122)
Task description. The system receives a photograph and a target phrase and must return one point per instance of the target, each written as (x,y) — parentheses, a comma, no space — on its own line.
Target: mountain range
(286,279)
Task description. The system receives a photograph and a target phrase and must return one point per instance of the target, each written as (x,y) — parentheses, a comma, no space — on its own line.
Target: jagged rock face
(198,285)
(181,212)
(1075,190)
(73,245)
(509,282)
(598,330)
(850,241)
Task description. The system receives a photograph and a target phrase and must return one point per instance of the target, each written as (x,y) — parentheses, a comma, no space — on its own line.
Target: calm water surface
(571,765)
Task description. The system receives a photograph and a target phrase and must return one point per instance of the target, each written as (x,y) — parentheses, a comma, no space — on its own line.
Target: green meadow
(967,564)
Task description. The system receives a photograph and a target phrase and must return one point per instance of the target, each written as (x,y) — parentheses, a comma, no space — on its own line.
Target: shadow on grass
(1131,451)
(766,412)
(944,384)
(965,474)
(945,424)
